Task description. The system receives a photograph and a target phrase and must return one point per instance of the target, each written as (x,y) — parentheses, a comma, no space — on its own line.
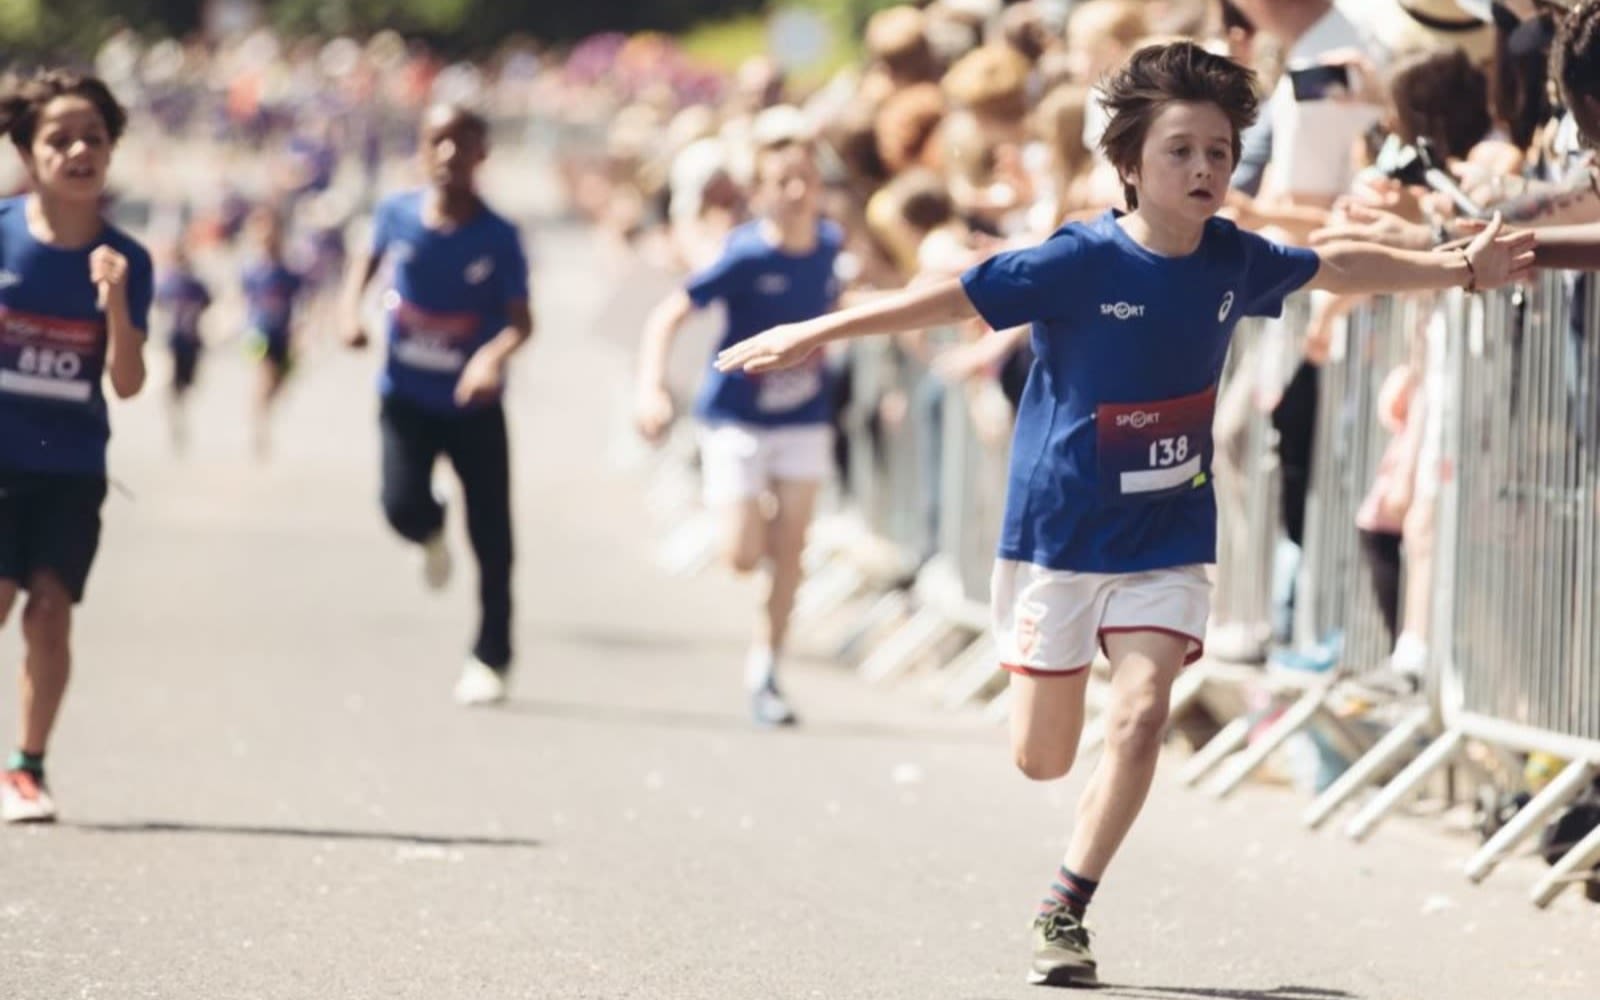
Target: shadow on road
(627,715)
(1220,993)
(307,833)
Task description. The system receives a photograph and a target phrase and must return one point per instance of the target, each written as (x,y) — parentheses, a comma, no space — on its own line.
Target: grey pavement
(267,792)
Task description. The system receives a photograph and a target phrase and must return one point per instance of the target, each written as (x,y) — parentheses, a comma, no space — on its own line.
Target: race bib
(49,358)
(779,392)
(432,341)
(1152,451)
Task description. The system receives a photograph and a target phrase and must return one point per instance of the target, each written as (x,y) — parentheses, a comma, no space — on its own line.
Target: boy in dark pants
(455,312)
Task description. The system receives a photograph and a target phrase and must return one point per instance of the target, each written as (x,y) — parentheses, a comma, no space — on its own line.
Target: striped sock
(1069,890)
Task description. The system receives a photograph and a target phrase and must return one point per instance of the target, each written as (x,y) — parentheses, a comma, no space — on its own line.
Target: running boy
(73,306)
(270,290)
(766,438)
(1110,514)
(455,312)
(184,298)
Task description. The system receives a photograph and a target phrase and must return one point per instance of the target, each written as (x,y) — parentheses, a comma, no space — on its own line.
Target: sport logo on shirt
(1227,307)
(1138,419)
(9,278)
(772,284)
(479,270)
(1121,310)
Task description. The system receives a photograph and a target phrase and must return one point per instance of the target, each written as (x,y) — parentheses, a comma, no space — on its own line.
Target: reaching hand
(653,412)
(1499,257)
(1374,225)
(780,347)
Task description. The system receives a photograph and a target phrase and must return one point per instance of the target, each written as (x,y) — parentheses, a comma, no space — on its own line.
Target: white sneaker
(436,561)
(480,684)
(24,799)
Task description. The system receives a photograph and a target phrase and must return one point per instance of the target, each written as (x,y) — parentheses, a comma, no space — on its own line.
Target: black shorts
(50,522)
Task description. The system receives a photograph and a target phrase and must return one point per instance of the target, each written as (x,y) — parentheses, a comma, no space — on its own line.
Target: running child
(74,301)
(1110,516)
(455,312)
(184,298)
(271,289)
(766,444)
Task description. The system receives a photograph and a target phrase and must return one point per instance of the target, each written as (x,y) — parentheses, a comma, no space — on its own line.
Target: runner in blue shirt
(271,293)
(761,435)
(455,310)
(184,298)
(1110,516)
(74,299)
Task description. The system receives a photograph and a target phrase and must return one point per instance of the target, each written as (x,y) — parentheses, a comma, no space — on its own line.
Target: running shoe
(481,684)
(25,799)
(768,708)
(1061,955)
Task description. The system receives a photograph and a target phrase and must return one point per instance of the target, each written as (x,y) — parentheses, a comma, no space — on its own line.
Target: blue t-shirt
(1111,459)
(53,347)
(184,297)
(761,286)
(448,298)
(269,293)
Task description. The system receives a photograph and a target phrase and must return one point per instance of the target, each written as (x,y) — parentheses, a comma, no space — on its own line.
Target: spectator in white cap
(1404,26)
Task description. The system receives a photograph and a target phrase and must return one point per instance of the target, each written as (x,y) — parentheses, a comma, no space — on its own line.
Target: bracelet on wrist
(1472,272)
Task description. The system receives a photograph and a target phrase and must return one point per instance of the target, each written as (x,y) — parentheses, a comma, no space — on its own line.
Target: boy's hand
(1499,257)
(482,380)
(109,272)
(653,412)
(781,347)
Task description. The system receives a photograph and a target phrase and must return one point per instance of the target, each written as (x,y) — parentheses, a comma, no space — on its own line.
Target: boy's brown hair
(1160,75)
(23,100)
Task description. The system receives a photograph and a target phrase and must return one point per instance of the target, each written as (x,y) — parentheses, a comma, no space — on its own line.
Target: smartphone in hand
(1320,83)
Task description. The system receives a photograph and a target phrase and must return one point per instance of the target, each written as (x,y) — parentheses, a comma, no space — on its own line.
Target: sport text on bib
(49,358)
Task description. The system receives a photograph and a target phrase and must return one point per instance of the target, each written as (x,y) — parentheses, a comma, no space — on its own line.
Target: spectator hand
(780,347)
(1363,222)
(1500,257)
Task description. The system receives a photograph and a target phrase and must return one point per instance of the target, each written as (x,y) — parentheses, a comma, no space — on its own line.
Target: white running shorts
(1051,621)
(741,461)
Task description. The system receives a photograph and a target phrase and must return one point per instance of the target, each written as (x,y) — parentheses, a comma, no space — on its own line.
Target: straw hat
(1402,26)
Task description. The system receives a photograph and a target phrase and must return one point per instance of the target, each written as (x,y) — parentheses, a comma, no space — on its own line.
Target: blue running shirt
(448,296)
(53,347)
(185,297)
(761,286)
(1111,458)
(269,293)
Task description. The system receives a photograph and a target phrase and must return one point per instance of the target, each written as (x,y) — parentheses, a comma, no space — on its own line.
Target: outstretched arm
(1493,258)
(1574,247)
(785,346)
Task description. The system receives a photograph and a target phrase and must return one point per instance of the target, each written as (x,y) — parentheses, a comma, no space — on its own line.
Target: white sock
(760,667)
(1410,654)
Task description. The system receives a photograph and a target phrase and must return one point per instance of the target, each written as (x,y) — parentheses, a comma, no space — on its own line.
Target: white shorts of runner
(1051,622)
(742,461)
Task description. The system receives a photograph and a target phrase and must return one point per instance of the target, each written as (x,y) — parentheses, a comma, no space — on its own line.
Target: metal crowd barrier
(1517,619)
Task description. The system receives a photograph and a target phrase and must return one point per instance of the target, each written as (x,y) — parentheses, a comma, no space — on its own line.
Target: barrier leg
(998,711)
(971,672)
(887,608)
(1566,786)
(1230,739)
(1295,718)
(827,590)
(1404,784)
(901,650)
(1571,868)
(1394,745)
(1186,689)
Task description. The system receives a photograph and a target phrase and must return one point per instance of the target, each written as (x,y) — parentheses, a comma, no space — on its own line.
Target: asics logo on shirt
(772,284)
(1138,419)
(9,278)
(479,270)
(1227,307)
(1121,310)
